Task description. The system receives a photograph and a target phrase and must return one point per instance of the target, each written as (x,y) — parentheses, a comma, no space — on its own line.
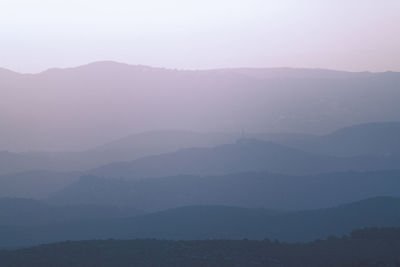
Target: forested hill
(369,247)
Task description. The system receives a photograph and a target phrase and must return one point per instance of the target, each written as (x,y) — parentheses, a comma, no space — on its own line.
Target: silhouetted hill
(379,138)
(126,149)
(252,190)
(158,142)
(216,222)
(297,73)
(373,251)
(373,144)
(108,100)
(6,74)
(11,163)
(35,184)
(244,155)
(29,212)
(204,222)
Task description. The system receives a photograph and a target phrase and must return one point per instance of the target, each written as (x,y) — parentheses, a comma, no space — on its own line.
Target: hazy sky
(354,35)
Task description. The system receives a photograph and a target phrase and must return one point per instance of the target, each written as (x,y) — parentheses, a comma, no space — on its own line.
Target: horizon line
(190,69)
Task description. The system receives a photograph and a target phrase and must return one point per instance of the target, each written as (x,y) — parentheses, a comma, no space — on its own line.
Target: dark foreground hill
(367,247)
(216,222)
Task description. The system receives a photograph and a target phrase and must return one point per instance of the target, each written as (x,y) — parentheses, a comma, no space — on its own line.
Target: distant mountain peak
(103,66)
(7,72)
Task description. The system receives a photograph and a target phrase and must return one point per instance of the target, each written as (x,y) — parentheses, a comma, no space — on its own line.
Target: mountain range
(244,155)
(37,175)
(215,222)
(75,109)
(251,190)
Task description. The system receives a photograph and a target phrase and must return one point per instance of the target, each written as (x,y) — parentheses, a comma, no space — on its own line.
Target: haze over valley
(199,133)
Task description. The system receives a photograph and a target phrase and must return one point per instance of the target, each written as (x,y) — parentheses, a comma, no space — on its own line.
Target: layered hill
(379,138)
(217,222)
(244,155)
(79,108)
(251,190)
(369,247)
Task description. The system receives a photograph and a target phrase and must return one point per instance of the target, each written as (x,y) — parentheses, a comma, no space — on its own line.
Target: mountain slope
(251,190)
(79,108)
(127,148)
(216,222)
(35,184)
(379,139)
(244,155)
(29,212)
(365,247)
(144,144)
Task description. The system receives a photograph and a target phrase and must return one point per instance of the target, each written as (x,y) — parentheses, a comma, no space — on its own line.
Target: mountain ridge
(246,189)
(118,63)
(220,222)
(114,100)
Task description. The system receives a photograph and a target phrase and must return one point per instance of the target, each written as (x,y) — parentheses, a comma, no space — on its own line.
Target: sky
(352,35)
